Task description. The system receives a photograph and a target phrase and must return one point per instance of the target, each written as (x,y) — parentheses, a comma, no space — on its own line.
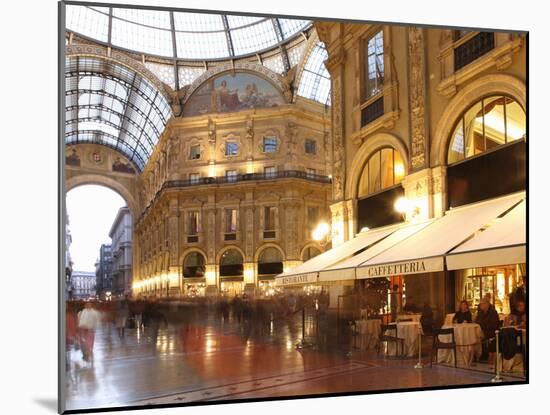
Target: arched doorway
(231,272)
(270,263)
(100,226)
(310,252)
(193,271)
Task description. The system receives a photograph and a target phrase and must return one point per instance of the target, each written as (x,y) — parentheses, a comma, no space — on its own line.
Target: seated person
(463,315)
(488,320)
(517,317)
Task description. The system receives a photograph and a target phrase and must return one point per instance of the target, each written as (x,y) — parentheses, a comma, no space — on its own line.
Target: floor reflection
(206,357)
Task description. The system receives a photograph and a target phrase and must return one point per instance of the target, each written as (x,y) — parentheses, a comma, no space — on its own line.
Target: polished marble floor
(211,359)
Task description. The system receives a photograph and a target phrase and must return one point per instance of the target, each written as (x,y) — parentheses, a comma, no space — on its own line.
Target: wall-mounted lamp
(407,208)
(321,233)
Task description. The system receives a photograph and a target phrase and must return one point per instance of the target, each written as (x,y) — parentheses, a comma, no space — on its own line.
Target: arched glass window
(309,253)
(270,261)
(489,123)
(193,265)
(231,263)
(384,168)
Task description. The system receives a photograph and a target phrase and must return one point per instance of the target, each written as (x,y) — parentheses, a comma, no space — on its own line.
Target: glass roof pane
(239,21)
(290,27)
(153,18)
(315,80)
(149,31)
(142,38)
(295,53)
(89,22)
(204,46)
(197,22)
(116,107)
(253,38)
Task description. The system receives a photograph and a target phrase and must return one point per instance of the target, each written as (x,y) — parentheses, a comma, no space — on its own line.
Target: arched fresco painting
(233,92)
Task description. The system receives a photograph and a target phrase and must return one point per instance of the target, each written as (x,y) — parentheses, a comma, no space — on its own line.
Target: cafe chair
(388,334)
(438,344)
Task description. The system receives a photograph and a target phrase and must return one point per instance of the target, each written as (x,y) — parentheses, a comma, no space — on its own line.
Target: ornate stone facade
(254,181)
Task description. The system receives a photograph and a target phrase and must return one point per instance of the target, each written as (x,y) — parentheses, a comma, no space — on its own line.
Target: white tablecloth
(468,337)
(368,332)
(408,331)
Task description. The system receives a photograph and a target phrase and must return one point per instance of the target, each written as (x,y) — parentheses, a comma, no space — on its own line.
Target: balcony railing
(239,178)
(473,48)
(247,177)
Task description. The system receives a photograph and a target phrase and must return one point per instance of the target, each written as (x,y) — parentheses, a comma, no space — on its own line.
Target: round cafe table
(408,331)
(368,333)
(468,337)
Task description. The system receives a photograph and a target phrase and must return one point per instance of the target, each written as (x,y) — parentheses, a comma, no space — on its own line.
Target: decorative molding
(417,97)
(500,58)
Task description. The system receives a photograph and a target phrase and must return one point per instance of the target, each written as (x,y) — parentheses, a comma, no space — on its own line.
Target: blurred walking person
(122,312)
(89,320)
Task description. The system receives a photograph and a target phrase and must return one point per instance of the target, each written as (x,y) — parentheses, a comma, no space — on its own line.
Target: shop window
(309,253)
(384,169)
(270,262)
(489,123)
(195,152)
(270,145)
(231,263)
(310,146)
(193,265)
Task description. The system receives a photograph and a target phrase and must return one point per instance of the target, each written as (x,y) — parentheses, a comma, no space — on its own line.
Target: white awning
(425,250)
(345,270)
(347,249)
(501,243)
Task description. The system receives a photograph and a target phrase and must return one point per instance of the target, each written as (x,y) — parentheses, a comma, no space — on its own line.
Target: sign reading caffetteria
(401,268)
(297,279)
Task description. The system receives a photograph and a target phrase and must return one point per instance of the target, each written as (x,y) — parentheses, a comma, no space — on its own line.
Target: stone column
(210,241)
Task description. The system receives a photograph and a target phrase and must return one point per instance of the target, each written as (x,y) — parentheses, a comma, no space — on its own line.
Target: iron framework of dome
(107,103)
(182,35)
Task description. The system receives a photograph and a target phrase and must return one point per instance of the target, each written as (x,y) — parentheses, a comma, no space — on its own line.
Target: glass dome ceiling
(182,35)
(108,104)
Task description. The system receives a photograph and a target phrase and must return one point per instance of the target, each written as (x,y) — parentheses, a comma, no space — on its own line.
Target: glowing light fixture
(321,231)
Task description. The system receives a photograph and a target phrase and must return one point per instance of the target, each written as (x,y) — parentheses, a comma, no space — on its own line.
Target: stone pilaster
(417,98)
(340,223)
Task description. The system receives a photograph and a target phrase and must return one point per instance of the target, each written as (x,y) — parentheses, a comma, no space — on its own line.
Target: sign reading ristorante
(297,279)
(401,268)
